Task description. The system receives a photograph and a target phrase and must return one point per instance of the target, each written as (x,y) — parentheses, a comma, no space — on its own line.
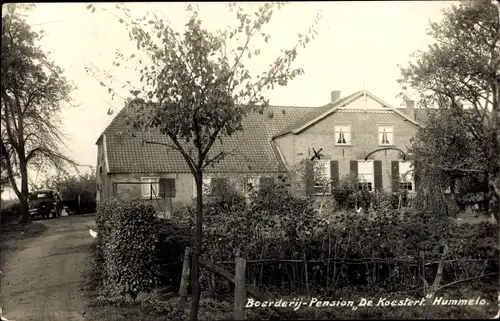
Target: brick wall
(364,139)
(127,190)
(284,144)
(184,185)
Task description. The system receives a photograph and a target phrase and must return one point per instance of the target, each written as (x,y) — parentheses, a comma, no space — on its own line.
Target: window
(251,184)
(385,135)
(365,175)
(343,134)
(206,188)
(406,179)
(321,176)
(150,187)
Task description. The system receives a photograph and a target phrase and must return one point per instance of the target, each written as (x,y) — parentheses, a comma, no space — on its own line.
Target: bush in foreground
(277,226)
(126,253)
(10,212)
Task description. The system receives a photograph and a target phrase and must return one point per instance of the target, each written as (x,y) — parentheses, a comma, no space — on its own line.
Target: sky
(359,45)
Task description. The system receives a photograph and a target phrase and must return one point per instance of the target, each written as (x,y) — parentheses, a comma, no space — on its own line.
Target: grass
(216,309)
(154,307)
(16,236)
(20,231)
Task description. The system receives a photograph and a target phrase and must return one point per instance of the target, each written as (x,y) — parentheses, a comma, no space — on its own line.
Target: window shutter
(309,177)
(334,173)
(168,187)
(266,182)
(354,167)
(217,186)
(377,170)
(354,171)
(163,187)
(395,175)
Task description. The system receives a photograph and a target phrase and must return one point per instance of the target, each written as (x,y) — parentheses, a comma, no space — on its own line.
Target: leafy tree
(460,73)
(196,89)
(69,186)
(448,145)
(33,90)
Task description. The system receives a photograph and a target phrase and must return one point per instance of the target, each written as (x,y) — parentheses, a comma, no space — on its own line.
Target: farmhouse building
(338,136)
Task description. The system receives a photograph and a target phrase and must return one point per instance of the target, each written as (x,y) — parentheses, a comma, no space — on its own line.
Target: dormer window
(343,134)
(385,135)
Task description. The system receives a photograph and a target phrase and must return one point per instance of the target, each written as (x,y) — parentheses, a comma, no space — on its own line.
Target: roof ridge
(122,110)
(294,106)
(306,118)
(255,140)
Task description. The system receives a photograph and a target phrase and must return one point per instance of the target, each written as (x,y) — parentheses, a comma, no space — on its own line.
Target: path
(43,281)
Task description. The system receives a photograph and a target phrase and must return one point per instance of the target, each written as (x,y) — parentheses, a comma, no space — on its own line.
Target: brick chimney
(410,109)
(335,95)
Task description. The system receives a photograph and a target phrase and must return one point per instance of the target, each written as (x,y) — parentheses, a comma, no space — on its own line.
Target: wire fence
(304,276)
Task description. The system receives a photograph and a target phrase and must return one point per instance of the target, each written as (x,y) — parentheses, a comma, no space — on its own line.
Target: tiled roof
(314,116)
(316,112)
(422,114)
(252,149)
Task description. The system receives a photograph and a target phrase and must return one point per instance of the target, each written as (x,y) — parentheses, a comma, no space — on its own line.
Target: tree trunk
(494,206)
(195,281)
(23,197)
(25,211)
(494,198)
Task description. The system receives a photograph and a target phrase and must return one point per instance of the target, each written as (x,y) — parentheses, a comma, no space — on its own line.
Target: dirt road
(43,280)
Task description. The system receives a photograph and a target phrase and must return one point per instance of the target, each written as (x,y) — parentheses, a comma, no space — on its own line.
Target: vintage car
(45,203)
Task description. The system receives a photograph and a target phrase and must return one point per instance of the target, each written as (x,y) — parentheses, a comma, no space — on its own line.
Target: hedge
(127,246)
(277,226)
(10,213)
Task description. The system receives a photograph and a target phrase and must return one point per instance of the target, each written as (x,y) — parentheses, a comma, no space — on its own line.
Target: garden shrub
(365,198)
(225,200)
(403,193)
(130,248)
(341,195)
(173,238)
(390,199)
(343,191)
(103,223)
(223,205)
(277,225)
(10,213)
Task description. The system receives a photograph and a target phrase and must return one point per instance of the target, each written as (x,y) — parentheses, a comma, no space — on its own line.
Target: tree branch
(11,174)
(211,140)
(465,170)
(177,147)
(33,152)
(465,280)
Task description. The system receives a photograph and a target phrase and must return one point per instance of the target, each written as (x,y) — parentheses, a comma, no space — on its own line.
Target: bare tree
(33,91)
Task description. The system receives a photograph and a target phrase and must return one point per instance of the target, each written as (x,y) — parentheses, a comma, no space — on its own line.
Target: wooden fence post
(439,275)
(185,277)
(284,311)
(421,271)
(239,287)
(306,274)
